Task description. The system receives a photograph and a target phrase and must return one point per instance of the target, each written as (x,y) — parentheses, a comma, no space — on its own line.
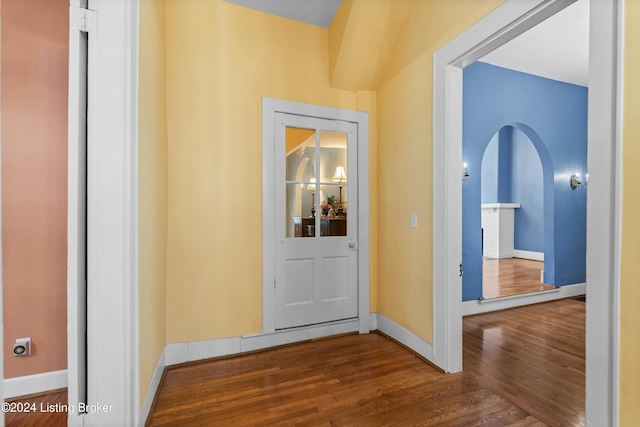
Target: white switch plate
(414,220)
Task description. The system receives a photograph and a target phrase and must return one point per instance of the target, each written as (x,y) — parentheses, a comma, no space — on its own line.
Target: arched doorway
(517,214)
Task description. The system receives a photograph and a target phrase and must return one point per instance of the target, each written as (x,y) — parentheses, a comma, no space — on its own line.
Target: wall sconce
(465,174)
(575,181)
(340,177)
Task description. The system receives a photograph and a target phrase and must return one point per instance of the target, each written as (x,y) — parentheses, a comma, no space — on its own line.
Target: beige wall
(34,182)
(630,268)
(221,59)
(152,182)
(405,100)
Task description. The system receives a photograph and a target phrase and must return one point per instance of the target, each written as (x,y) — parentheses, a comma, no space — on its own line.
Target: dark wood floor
(511,276)
(534,356)
(523,367)
(44,410)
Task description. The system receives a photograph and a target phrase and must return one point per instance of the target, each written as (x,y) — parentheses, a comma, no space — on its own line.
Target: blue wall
(512,173)
(553,116)
(527,189)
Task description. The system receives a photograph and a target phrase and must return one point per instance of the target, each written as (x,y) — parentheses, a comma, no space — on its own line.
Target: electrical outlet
(22,347)
(414,220)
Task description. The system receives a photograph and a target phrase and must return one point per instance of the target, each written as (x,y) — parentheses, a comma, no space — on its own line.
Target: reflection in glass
(316,200)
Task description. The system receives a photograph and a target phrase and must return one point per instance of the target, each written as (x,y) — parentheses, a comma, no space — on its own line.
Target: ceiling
(314,12)
(557,48)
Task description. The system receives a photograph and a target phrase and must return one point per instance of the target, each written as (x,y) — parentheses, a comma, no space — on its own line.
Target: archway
(517,216)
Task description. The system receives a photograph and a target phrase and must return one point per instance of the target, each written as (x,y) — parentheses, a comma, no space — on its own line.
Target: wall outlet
(22,347)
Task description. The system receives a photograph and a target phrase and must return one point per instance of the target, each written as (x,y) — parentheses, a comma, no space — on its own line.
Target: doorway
(502,25)
(316,181)
(517,201)
(315,257)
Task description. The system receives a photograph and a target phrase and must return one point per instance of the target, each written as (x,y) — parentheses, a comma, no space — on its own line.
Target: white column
(498,223)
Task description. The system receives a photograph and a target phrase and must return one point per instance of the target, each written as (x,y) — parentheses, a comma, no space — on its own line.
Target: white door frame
(1,275)
(603,205)
(269,108)
(113,362)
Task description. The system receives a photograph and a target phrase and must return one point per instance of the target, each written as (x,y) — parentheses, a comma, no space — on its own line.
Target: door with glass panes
(316,221)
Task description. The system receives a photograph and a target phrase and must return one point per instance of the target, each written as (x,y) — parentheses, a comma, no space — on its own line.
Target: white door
(316,220)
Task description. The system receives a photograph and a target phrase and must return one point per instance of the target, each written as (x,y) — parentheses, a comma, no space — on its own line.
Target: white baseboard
(405,337)
(199,350)
(477,307)
(174,354)
(37,383)
(153,390)
(373,321)
(536,256)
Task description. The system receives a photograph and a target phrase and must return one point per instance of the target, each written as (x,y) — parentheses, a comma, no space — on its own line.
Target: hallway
(523,366)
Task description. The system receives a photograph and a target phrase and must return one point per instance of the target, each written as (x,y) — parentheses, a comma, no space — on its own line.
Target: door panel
(316,272)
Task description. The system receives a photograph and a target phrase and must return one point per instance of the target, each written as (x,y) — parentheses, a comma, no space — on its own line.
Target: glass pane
(334,179)
(300,210)
(301,154)
(301,178)
(333,214)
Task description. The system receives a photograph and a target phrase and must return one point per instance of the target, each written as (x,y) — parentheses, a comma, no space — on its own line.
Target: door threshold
(483,300)
(316,325)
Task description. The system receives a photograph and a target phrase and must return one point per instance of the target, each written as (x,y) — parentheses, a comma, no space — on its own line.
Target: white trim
(488,305)
(269,108)
(76,208)
(618,216)
(206,349)
(2,390)
(500,205)
(500,26)
(603,204)
(153,390)
(175,354)
(535,256)
(373,321)
(112,300)
(405,337)
(37,383)
(603,213)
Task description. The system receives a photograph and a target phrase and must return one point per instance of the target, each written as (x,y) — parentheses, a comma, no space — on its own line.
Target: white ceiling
(557,48)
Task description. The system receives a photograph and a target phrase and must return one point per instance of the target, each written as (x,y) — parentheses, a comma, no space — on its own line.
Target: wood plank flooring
(534,356)
(36,417)
(511,276)
(523,367)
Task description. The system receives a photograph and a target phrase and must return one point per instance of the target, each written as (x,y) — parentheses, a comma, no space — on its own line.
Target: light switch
(414,220)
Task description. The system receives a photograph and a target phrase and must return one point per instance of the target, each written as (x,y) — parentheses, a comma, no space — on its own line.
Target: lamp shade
(340,175)
(312,184)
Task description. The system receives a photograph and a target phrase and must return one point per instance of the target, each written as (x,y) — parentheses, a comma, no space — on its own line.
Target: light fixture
(465,174)
(312,188)
(340,177)
(575,181)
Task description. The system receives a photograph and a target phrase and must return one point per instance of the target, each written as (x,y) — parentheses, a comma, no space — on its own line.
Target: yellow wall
(152,176)
(405,102)
(630,269)
(362,37)
(221,59)
(202,165)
